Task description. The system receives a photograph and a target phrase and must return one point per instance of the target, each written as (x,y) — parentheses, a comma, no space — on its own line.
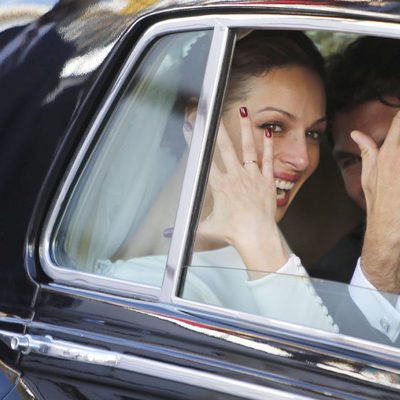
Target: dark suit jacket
(339,263)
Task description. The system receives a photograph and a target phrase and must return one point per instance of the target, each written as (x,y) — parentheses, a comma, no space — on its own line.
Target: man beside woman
(365,99)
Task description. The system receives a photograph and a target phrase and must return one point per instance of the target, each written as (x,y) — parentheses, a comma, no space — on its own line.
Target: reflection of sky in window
(21,12)
(86,63)
(28,2)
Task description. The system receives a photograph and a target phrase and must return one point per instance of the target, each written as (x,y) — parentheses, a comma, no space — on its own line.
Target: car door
(103,328)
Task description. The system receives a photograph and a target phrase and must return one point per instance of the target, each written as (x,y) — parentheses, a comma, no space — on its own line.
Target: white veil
(131,163)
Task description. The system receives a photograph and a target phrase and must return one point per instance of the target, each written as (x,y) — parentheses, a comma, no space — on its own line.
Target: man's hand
(380,179)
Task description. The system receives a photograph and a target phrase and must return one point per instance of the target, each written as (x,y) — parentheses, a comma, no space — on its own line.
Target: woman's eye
(315,136)
(275,128)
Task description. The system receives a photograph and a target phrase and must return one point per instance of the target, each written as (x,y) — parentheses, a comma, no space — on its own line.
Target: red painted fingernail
(243,112)
(268,132)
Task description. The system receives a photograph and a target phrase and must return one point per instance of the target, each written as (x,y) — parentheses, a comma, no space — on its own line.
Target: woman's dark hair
(260,51)
(255,55)
(367,69)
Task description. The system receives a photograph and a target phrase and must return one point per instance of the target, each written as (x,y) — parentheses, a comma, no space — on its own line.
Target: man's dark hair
(367,69)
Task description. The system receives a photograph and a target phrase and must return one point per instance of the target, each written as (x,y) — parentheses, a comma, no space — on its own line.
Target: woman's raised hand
(244,199)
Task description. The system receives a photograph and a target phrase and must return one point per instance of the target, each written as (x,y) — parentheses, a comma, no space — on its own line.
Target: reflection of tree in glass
(328,42)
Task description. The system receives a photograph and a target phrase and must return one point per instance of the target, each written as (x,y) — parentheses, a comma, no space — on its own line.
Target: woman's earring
(187,126)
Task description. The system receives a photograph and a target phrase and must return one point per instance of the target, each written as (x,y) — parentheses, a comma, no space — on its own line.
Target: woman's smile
(284,184)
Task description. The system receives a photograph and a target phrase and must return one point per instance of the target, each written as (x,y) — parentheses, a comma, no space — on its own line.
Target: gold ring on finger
(245,162)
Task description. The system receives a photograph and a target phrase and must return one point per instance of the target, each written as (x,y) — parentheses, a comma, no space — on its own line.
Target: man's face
(372,118)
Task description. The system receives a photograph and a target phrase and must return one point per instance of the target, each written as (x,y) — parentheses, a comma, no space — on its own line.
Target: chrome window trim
(191,190)
(219,58)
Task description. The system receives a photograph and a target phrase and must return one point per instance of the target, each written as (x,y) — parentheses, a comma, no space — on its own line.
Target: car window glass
(119,217)
(218,273)
(321,304)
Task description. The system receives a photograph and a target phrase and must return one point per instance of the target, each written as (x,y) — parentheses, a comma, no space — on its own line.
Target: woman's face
(291,101)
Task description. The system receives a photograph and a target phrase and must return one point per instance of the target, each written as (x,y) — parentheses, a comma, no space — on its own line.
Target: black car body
(68,335)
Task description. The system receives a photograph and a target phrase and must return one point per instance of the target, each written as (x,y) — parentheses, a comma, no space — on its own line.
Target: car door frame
(199,159)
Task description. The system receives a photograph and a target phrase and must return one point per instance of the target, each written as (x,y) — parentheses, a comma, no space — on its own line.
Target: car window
(120,212)
(221,272)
